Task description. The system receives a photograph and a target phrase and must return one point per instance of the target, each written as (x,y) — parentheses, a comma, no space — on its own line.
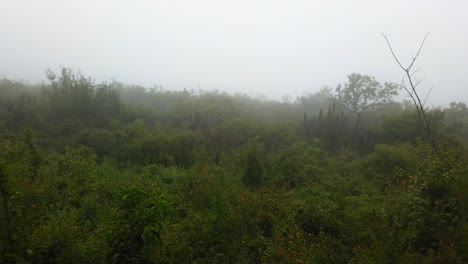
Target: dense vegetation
(109,173)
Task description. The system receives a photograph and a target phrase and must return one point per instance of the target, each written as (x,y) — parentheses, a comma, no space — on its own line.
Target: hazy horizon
(270,48)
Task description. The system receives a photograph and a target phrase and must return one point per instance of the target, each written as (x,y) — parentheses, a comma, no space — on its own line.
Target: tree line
(114,173)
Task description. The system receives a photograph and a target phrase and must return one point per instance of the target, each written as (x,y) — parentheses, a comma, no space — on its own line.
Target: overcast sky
(266,47)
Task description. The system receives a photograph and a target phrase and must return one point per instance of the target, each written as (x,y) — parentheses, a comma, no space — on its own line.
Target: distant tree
(404,127)
(17,112)
(68,101)
(362,94)
(313,102)
(331,127)
(455,114)
(107,104)
(69,94)
(455,118)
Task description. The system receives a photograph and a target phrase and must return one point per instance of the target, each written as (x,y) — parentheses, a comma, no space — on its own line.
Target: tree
(410,83)
(362,94)
(312,102)
(455,115)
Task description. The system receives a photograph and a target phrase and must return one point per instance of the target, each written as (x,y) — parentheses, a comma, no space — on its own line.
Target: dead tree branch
(423,117)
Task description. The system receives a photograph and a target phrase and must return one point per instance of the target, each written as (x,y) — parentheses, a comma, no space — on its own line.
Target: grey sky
(252,46)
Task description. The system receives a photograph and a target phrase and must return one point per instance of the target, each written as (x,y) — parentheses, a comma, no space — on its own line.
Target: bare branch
(430,116)
(402,85)
(424,119)
(391,50)
(418,82)
(417,54)
(427,96)
(411,75)
(410,92)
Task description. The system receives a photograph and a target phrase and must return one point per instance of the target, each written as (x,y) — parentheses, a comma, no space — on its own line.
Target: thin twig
(393,53)
(419,81)
(427,96)
(411,75)
(419,51)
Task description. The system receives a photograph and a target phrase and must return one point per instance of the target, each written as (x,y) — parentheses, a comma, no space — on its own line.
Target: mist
(269,48)
(233,131)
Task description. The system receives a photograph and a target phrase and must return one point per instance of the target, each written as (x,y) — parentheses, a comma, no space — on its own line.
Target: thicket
(109,173)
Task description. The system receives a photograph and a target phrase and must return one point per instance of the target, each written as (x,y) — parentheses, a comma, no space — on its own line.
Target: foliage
(363,93)
(361,96)
(138,226)
(109,173)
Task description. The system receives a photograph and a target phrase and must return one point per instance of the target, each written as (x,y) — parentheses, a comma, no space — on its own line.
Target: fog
(262,47)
